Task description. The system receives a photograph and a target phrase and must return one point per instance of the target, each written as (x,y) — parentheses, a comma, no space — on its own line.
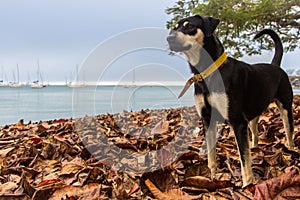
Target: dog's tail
(278,45)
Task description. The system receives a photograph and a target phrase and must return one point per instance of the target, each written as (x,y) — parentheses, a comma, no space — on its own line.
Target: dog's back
(266,82)
(263,84)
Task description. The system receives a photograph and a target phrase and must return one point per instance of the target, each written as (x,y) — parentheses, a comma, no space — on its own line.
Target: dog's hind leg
(241,136)
(254,131)
(287,118)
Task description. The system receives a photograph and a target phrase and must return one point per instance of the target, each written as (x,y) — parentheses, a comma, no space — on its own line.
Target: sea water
(56,102)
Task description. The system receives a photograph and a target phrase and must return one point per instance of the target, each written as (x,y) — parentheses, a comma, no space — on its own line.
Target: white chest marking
(219,101)
(193,54)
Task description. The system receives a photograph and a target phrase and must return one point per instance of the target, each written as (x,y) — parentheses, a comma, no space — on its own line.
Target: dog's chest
(218,101)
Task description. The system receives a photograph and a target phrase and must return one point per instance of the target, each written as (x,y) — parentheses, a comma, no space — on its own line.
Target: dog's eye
(188,26)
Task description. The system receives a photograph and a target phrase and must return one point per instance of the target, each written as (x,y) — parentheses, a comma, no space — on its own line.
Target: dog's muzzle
(175,44)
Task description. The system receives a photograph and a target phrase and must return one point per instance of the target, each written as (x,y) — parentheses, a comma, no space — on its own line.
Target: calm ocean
(55,102)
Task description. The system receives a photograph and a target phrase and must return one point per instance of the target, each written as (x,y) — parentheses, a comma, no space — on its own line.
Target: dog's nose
(171,38)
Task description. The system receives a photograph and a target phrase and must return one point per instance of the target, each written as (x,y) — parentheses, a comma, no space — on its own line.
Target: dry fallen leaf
(205,183)
(4,152)
(286,184)
(172,194)
(8,187)
(76,192)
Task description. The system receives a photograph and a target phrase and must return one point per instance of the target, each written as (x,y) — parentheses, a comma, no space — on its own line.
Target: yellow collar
(206,73)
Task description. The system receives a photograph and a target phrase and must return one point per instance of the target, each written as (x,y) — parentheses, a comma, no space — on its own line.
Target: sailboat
(2,83)
(76,84)
(37,84)
(16,84)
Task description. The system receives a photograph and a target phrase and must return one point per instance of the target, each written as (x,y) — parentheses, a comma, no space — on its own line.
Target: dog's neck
(200,57)
(193,55)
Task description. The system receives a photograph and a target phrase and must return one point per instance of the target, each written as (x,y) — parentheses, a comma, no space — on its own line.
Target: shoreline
(117,84)
(296,96)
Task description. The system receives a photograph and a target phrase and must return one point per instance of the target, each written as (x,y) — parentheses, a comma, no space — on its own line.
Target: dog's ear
(210,25)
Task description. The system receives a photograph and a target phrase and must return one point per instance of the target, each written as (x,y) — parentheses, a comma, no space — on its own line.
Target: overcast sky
(62,33)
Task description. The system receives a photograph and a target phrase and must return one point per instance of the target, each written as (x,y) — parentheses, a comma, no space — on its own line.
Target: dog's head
(190,32)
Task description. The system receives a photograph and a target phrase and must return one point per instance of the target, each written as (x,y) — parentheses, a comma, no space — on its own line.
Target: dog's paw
(249,180)
(213,177)
(290,145)
(254,143)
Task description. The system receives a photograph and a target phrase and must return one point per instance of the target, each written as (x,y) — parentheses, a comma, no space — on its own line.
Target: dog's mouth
(176,45)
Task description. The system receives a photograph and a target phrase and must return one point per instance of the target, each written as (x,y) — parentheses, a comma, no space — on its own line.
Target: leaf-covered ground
(151,154)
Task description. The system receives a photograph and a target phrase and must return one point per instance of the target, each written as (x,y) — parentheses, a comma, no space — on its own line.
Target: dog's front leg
(241,136)
(211,132)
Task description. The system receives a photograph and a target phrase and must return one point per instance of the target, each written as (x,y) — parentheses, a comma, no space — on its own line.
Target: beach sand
(150,154)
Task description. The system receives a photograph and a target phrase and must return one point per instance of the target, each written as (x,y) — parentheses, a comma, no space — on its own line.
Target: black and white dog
(237,92)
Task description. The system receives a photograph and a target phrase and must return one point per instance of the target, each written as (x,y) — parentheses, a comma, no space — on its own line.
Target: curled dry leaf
(277,188)
(71,191)
(4,152)
(8,187)
(49,183)
(172,194)
(160,128)
(164,156)
(205,183)
(73,167)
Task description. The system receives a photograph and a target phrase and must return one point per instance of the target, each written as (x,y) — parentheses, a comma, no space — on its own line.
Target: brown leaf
(76,165)
(42,194)
(199,169)
(4,152)
(58,121)
(28,188)
(291,192)
(274,159)
(120,191)
(162,178)
(125,144)
(164,156)
(272,189)
(147,120)
(205,183)
(160,128)
(8,187)
(190,155)
(49,183)
(173,194)
(133,189)
(49,150)
(69,191)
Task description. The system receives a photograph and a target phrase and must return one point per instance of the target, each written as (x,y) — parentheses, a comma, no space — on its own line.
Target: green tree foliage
(242,19)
